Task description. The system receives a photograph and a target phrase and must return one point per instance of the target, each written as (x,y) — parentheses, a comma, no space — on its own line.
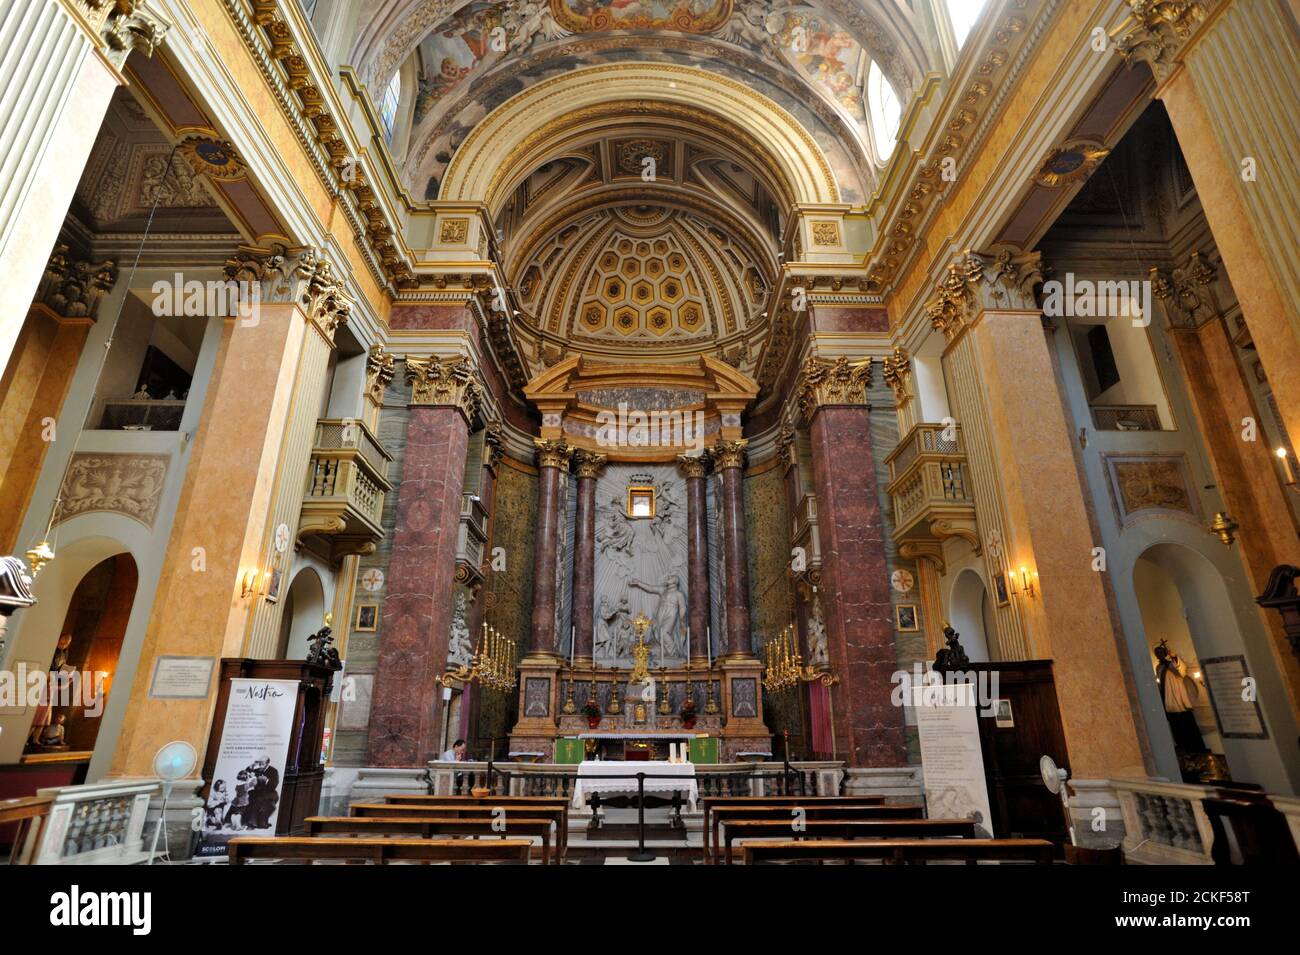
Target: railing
(471,537)
(1164,823)
(347,479)
(714,779)
(140,414)
(1125,418)
(929,479)
(99,823)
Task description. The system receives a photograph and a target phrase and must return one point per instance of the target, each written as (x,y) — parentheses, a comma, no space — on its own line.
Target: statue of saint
(669,615)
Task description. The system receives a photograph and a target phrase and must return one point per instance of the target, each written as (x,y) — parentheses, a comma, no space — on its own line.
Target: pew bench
(845,829)
(477,809)
(709,803)
(901,851)
(426,827)
(378,850)
(722,814)
(508,802)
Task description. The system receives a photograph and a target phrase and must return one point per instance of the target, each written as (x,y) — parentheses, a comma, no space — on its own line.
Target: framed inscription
(1233,697)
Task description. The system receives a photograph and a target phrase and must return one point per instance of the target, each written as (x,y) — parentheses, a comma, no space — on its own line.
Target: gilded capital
(728,454)
(588,464)
(379,373)
(1000,279)
(693,465)
(553,453)
(1187,293)
(445,382)
(124,25)
(785,446)
(302,276)
(493,444)
(823,382)
(897,369)
(1156,31)
(72,287)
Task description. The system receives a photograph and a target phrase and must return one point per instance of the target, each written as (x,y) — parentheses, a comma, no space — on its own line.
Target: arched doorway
(971,615)
(85,658)
(304,614)
(1185,601)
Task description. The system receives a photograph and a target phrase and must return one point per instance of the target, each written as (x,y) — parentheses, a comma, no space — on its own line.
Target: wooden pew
(29,813)
(240,849)
(721,814)
(456,807)
(709,803)
(899,851)
(427,827)
(845,829)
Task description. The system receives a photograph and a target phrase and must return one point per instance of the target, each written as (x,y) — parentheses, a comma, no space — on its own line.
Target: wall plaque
(181,678)
(1226,679)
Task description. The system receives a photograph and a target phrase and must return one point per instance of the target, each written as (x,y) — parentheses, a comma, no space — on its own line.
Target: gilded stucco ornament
(553,453)
(301,275)
(896,370)
(839,382)
(1156,31)
(1000,279)
(380,367)
(729,454)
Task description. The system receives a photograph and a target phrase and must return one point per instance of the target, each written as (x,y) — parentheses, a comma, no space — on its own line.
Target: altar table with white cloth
(594,776)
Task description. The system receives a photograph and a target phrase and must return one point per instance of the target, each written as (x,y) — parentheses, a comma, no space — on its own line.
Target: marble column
(695,467)
(553,458)
(587,465)
(867,727)
(729,458)
(406,712)
(60,64)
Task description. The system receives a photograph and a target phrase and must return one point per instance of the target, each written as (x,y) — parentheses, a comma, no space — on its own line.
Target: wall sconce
(1021,582)
(254,583)
(1288,474)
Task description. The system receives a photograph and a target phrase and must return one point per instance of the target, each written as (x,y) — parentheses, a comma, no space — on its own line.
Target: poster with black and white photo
(244,797)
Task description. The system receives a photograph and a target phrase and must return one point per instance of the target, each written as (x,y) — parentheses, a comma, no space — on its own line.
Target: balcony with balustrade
(347,479)
(929,484)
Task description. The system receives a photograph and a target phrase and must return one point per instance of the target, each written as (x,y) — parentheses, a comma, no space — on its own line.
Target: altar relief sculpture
(641,567)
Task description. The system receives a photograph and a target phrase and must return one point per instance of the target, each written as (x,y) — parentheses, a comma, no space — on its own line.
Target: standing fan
(1054,778)
(174,761)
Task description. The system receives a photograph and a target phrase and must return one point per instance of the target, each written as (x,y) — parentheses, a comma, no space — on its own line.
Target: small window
(388,107)
(886,111)
(640,502)
(963,14)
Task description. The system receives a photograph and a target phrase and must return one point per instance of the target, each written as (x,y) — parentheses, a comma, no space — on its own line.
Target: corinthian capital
(553,453)
(379,372)
(728,454)
(588,464)
(302,276)
(445,382)
(125,25)
(897,369)
(1156,31)
(839,382)
(693,465)
(1000,279)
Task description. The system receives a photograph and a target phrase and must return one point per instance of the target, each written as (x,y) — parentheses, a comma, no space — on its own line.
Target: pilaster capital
(380,367)
(729,454)
(494,440)
(301,275)
(72,287)
(823,382)
(124,26)
(1187,293)
(445,382)
(553,452)
(588,464)
(694,465)
(897,370)
(1001,279)
(785,449)
(1156,31)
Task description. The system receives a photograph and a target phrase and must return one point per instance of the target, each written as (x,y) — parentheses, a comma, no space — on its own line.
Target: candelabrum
(784,668)
(493,665)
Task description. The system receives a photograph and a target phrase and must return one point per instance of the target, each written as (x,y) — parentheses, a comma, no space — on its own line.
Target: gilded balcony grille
(930,483)
(347,480)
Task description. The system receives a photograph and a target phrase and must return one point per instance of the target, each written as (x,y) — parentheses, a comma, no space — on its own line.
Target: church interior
(656,418)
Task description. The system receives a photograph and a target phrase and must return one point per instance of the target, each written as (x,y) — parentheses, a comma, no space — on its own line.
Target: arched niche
(970,613)
(304,614)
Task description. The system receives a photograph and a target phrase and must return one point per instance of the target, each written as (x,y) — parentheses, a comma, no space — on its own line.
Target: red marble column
(552,456)
(695,467)
(405,712)
(859,623)
(587,466)
(729,457)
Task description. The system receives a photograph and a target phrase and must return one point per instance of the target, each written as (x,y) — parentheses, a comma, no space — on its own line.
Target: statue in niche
(818,651)
(460,647)
(669,615)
